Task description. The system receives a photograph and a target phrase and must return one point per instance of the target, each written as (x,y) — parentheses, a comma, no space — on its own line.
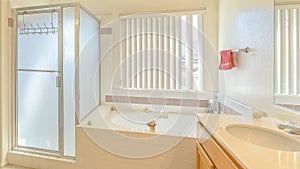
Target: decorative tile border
(106,31)
(292,107)
(227,105)
(157,101)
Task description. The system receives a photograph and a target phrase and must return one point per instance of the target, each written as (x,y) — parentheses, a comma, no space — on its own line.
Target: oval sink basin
(264,137)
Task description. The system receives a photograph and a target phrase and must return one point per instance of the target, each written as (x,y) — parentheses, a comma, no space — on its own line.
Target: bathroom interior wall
(111,56)
(242,24)
(4,81)
(1,79)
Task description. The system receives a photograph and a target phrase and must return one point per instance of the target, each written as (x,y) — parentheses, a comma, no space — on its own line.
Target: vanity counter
(247,154)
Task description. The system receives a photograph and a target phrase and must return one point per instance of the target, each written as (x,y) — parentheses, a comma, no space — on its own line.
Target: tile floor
(14,167)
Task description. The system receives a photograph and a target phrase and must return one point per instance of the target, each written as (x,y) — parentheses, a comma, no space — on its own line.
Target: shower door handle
(58,81)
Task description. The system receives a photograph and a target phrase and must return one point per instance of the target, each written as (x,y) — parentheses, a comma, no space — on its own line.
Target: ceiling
(99,7)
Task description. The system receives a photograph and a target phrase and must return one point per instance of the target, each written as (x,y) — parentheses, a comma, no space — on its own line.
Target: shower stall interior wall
(57,76)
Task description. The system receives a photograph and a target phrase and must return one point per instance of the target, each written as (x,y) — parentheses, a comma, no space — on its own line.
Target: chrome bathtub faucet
(152,125)
(213,105)
(290,127)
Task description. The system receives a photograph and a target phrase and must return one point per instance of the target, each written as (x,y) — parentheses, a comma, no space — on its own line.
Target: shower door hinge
(58,81)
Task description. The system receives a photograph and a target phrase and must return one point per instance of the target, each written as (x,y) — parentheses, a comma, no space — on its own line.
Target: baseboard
(3,164)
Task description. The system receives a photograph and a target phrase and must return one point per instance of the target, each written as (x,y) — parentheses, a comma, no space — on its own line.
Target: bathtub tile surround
(227,104)
(295,108)
(157,101)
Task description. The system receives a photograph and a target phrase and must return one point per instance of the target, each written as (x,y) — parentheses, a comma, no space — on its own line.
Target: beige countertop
(250,155)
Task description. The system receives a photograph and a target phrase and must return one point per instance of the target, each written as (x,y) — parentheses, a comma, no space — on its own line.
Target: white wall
(110,57)
(4,81)
(248,23)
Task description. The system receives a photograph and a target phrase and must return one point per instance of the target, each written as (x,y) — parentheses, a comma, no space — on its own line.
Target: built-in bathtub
(121,137)
(168,122)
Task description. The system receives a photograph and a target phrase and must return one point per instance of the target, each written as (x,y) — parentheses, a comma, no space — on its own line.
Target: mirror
(287,55)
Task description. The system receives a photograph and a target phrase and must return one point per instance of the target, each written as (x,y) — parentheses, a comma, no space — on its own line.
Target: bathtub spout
(152,125)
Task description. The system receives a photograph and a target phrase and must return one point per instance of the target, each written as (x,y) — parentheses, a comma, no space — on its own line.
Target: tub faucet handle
(148,110)
(113,108)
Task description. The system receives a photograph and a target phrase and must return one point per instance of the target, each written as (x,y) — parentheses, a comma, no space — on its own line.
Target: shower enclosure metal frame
(47,9)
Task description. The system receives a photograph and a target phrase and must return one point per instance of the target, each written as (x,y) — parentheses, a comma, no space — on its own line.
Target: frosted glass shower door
(38,110)
(39,85)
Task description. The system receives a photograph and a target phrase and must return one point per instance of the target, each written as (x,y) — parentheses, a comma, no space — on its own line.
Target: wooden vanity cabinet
(210,154)
(202,159)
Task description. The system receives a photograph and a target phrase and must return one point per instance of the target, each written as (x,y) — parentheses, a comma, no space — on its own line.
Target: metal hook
(46,28)
(52,28)
(40,28)
(33,29)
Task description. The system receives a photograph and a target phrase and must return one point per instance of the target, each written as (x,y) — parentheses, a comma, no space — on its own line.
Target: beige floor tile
(14,167)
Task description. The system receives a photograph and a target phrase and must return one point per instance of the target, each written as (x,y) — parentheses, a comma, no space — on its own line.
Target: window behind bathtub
(162,51)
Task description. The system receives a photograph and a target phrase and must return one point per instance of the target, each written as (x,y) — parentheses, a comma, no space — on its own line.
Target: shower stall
(57,76)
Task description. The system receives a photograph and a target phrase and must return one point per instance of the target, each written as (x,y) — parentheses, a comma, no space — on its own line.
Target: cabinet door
(203,161)
(219,157)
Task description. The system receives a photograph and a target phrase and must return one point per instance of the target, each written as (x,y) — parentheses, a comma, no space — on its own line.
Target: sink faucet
(290,127)
(257,115)
(213,105)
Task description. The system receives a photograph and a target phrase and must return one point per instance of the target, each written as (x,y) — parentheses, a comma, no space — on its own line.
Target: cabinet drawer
(220,158)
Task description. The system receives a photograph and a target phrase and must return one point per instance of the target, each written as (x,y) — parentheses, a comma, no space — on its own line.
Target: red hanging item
(227,60)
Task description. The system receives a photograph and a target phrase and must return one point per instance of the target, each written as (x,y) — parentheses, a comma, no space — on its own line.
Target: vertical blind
(161,52)
(287,54)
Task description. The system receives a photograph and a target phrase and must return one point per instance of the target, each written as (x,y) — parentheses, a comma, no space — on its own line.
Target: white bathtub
(124,132)
(169,122)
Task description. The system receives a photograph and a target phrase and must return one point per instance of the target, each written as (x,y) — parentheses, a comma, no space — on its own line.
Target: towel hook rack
(37,28)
